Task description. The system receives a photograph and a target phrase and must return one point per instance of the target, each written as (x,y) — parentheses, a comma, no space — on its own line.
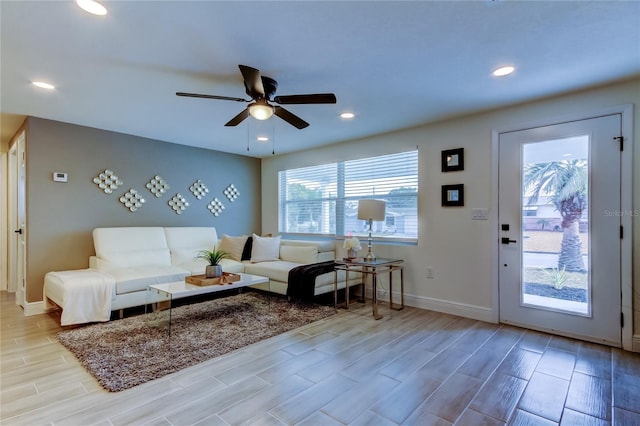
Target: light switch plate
(60,177)
(479,214)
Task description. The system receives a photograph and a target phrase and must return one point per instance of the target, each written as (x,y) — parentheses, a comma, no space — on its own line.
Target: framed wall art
(452,160)
(453,195)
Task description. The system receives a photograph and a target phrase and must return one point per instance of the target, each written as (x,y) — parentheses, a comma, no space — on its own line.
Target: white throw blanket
(86,296)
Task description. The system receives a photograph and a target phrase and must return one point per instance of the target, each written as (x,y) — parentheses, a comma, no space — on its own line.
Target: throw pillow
(233,246)
(265,249)
(246,252)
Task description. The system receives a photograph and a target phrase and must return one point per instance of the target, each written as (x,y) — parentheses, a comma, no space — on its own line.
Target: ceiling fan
(261,89)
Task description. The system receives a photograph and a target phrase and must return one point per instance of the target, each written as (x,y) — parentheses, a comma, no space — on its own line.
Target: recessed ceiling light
(92,7)
(43,85)
(347,115)
(502,71)
(262,139)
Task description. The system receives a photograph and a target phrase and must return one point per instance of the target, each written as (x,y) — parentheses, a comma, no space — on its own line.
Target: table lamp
(371,210)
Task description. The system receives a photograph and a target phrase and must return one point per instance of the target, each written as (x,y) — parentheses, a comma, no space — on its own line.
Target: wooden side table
(371,268)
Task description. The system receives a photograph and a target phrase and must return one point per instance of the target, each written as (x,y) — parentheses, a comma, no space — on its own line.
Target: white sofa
(139,256)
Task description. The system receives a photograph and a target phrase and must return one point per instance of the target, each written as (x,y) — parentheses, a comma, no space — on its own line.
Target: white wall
(459,249)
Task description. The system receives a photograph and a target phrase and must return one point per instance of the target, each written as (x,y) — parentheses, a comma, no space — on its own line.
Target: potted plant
(213,257)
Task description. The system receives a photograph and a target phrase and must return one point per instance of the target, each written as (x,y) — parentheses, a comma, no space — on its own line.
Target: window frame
(336,226)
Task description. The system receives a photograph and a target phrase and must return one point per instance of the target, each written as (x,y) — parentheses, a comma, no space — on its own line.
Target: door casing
(626,192)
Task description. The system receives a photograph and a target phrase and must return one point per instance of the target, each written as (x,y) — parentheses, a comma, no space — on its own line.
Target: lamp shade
(372,209)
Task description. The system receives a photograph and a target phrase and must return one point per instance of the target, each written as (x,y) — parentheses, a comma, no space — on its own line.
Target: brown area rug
(125,353)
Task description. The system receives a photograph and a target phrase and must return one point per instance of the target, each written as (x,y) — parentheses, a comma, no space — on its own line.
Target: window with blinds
(323,200)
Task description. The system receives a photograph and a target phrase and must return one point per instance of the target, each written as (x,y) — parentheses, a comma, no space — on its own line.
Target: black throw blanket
(302,279)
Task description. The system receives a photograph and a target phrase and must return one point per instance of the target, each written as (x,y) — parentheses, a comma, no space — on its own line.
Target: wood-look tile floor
(412,367)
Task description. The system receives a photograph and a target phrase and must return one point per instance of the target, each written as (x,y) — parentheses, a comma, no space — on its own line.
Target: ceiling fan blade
(223,98)
(316,98)
(289,117)
(252,82)
(238,118)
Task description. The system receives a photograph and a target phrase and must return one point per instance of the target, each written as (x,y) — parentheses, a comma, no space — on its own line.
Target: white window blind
(323,199)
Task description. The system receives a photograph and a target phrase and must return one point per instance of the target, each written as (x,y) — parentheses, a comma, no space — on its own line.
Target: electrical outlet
(429,272)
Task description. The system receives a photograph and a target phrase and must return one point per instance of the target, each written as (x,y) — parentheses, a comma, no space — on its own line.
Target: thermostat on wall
(59,177)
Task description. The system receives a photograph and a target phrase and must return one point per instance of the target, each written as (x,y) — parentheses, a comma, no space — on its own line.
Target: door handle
(18,231)
(506,240)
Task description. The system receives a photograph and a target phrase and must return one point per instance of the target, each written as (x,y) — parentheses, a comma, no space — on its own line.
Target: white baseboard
(635,346)
(454,308)
(34,308)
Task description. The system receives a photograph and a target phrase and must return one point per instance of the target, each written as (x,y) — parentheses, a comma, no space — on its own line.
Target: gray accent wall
(61,216)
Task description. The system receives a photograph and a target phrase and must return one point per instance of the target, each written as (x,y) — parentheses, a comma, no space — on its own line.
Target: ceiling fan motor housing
(270,87)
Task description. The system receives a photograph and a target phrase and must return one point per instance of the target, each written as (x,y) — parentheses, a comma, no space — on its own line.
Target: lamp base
(370,257)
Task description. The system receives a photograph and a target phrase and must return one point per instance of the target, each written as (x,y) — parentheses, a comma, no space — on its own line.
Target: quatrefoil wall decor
(108,181)
(132,200)
(157,186)
(198,189)
(215,207)
(178,203)
(231,192)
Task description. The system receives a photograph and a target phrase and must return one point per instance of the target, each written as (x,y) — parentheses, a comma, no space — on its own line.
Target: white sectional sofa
(139,256)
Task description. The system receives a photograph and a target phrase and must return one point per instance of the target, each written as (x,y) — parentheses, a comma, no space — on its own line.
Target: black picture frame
(453,195)
(452,160)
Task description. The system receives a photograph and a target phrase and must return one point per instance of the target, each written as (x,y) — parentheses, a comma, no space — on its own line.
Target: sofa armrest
(326,256)
(100,264)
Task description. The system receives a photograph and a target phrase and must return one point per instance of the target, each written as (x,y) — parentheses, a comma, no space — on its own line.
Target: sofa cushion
(125,239)
(321,245)
(130,258)
(180,256)
(233,266)
(233,246)
(276,270)
(265,249)
(139,277)
(302,254)
(197,266)
(185,242)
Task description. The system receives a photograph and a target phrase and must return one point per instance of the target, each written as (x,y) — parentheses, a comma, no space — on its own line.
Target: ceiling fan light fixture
(260,111)
(92,7)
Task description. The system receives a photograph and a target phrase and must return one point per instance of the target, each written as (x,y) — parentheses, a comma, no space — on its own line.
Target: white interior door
(4,222)
(559,221)
(17,219)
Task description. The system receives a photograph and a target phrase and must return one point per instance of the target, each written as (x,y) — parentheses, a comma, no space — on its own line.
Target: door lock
(506,240)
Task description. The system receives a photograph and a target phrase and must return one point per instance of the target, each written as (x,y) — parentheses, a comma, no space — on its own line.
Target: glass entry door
(559,234)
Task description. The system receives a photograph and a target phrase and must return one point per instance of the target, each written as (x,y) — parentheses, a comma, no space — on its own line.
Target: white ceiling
(394,64)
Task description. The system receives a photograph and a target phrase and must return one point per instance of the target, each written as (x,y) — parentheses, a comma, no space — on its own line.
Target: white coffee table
(160,297)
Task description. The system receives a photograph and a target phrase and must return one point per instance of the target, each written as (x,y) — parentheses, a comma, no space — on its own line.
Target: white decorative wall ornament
(132,200)
(198,189)
(215,207)
(107,181)
(178,203)
(231,192)
(157,186)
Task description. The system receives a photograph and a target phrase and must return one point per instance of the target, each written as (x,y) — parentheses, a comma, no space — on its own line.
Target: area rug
(125,353)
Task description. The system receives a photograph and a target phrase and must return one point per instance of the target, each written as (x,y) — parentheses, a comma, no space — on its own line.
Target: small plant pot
(213,271)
